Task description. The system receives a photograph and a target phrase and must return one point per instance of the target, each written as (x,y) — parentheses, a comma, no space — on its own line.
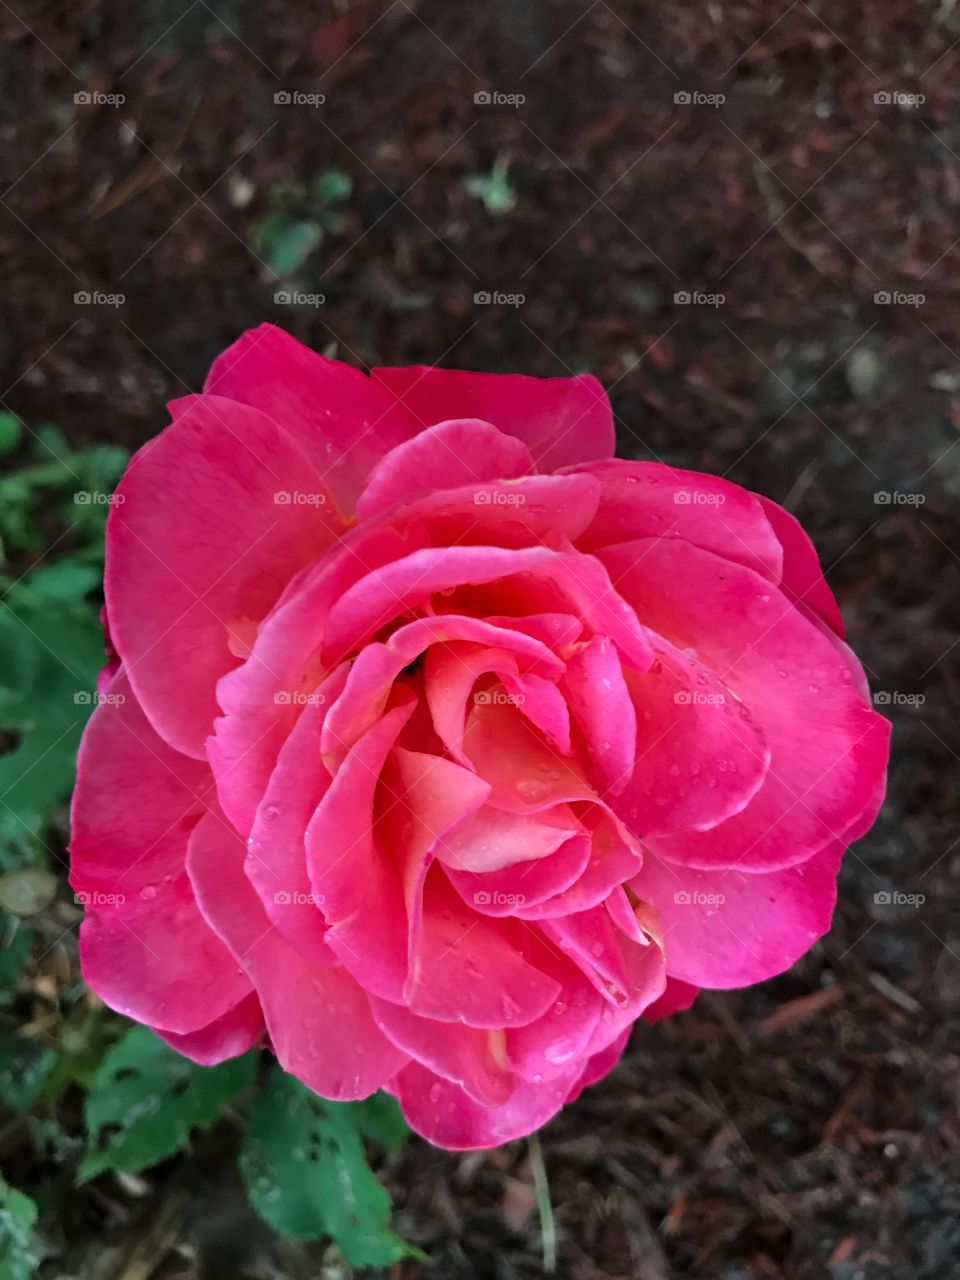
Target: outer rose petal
(342,418)
(312,1011)
(447,456)
(198,550)
(600,1064)
(828,750)
(134,806)
(677,997)
(803,579)
(650,500)
(560,420)
(237,1031)
(443,1113)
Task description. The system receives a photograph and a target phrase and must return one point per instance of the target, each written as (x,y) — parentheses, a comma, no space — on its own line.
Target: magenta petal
(600,1064)
(677,996)
(342,418)
(650,500)
(730,928)
(444,1114)
(135,804)
(356,882)
(828,750)
(471,969)
(318,1018)
(468,1057)
(276,862)
(512,889)
(526,774)
(701,756)
(560,420)
(601,705)
(803,579)
(238,1030)
(188,578)
(446,456)
(491,839)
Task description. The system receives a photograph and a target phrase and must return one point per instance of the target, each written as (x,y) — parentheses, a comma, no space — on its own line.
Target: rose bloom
(438,746)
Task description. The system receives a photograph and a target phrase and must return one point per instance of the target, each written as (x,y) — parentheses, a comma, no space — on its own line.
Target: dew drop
(148,892)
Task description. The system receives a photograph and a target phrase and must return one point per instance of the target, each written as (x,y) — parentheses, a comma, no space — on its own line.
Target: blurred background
(742,216)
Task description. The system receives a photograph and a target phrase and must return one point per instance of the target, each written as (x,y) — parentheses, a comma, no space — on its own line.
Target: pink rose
(448,744)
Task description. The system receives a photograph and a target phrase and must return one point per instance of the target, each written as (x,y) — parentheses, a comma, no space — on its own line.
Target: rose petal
(561,420)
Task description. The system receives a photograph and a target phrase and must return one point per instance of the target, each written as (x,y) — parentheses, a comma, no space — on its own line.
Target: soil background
(803,1129)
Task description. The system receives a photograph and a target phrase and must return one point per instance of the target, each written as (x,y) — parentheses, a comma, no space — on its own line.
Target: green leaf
(286,243)
(330,186)
(306,1173)
(493,188)
(146,1099)
(24,1068)
(11,432)
(18,1214)
(380,1120)
(14,949)
(50,654)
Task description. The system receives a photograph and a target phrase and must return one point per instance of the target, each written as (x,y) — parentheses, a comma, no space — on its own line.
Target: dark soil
(806,1128)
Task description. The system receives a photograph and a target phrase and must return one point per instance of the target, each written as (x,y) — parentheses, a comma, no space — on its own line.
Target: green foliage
(307,1175)
(146,1099)
(18,1214)
(494,188)
(300,215)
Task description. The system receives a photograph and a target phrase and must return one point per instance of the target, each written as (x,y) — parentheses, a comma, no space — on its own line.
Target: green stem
(548,1230)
